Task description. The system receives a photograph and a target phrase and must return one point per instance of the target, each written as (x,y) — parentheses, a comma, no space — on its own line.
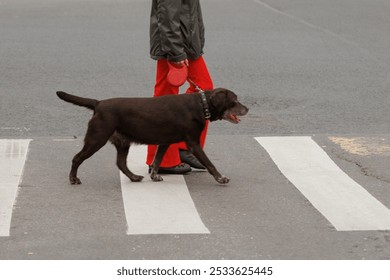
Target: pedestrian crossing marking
(13,154)
(158,207)
(167,207)
(346,204)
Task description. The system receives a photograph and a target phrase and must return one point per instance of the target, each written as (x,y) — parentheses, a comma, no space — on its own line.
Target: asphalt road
(316,68)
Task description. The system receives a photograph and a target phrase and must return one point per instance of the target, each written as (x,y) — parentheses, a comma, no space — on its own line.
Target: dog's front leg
(197,150)
(161,150)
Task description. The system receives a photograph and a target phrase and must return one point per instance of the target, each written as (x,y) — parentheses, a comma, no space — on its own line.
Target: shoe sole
(172,172)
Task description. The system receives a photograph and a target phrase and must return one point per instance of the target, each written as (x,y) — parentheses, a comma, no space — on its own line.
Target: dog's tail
(81,101)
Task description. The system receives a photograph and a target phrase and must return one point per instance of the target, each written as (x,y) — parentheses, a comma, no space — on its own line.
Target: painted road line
(158,207)
(346,204)
(13,155)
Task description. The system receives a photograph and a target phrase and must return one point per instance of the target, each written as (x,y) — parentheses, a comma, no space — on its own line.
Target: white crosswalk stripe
(13,155)
(158,208)
(346,204)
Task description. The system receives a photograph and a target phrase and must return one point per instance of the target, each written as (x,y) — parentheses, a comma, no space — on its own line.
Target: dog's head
(224,105)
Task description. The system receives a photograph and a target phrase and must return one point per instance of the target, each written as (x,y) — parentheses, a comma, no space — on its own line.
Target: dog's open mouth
(232,115)
(233,118)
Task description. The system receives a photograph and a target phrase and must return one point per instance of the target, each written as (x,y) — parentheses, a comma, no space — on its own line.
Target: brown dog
(159,121)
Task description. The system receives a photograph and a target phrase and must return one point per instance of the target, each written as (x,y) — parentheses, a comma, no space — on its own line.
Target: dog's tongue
(234,118)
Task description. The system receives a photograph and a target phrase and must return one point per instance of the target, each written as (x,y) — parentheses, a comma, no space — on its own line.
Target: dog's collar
(205,105)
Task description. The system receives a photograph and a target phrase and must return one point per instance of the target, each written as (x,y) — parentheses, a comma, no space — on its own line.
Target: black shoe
(187,157)
(182,168)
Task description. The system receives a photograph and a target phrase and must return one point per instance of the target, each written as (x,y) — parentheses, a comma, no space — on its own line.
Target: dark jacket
(176,30)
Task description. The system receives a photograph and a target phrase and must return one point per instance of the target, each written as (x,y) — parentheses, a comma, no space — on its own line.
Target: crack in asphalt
(364,170)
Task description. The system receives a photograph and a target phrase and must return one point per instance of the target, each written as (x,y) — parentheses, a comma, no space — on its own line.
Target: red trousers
(199,74)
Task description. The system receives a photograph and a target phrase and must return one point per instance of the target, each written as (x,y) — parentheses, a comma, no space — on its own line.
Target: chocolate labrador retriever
(157,120)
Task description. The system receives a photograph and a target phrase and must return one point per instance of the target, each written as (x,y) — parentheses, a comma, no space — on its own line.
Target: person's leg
(162,87)
(199,74)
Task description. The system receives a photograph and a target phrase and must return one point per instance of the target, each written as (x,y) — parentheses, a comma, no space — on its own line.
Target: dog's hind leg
(161,150)
(94,140)
(87,151)
(122,146)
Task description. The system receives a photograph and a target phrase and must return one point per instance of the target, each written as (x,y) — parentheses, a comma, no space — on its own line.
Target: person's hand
(181,64)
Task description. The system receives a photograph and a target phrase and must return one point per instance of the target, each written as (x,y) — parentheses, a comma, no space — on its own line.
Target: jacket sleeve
(201,27)
(168,14)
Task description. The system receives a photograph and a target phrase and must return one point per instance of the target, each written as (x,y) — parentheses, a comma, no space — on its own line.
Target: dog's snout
(243,110)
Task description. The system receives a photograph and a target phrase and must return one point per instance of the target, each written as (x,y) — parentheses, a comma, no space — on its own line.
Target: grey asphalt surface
(304,67)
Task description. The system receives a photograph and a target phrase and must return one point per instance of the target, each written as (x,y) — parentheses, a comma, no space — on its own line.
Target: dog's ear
(218,98)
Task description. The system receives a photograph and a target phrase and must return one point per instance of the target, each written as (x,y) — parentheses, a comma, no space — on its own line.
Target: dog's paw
(223,180)
(156,178)
(74,181)
(136,178)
